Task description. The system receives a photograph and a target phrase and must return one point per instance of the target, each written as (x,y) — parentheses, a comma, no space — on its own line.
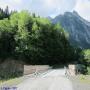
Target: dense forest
(35,40)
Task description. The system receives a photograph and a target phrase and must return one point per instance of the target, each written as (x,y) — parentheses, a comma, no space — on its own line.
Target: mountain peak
(77,27)
(50,18)
(75,12)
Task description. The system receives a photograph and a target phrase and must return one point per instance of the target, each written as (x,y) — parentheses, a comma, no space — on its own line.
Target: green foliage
(35,26)
(86,54)
(6,38)
(84,60)
(82,68)
(23,22)
(14,20)
(35,40)
(88,68)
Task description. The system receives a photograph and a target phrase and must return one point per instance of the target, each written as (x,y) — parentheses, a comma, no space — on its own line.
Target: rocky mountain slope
(76,26)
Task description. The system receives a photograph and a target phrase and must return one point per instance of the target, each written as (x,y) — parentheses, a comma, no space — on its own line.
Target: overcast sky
(50,7)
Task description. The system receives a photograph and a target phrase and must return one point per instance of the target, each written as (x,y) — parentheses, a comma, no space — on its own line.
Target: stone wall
(14,68)
(29,69)
(72,70)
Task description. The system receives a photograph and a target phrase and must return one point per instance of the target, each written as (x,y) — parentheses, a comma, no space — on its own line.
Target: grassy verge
(11,82)
(80,82)
(84,79)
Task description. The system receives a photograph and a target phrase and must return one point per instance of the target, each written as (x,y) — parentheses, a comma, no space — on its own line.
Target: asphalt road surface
(52,80)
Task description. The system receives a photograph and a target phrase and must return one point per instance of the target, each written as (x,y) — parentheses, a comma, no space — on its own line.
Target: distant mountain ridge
(77,27)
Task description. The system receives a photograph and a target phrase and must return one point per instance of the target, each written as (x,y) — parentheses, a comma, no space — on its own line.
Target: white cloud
(42,7)
(13,4)
(17,1)
(50,7)
(83,8)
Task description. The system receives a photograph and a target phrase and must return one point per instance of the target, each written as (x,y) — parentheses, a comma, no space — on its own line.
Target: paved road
(53,80)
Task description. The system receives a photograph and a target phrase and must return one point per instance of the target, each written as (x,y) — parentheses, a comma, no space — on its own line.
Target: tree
(35,40)
(4,13)
(7,42)
(34,26)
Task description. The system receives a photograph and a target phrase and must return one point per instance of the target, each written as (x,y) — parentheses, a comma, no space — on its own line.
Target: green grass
(84,79)
(11,82)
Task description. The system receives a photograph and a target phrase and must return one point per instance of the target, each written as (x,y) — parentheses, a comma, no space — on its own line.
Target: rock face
(76,26)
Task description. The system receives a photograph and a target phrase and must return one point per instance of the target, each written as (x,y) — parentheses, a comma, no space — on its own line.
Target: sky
(50,7)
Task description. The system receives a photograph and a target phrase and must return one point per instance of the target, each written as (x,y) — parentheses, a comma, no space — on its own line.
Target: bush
(82,68)
(88,68)
(11,69)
